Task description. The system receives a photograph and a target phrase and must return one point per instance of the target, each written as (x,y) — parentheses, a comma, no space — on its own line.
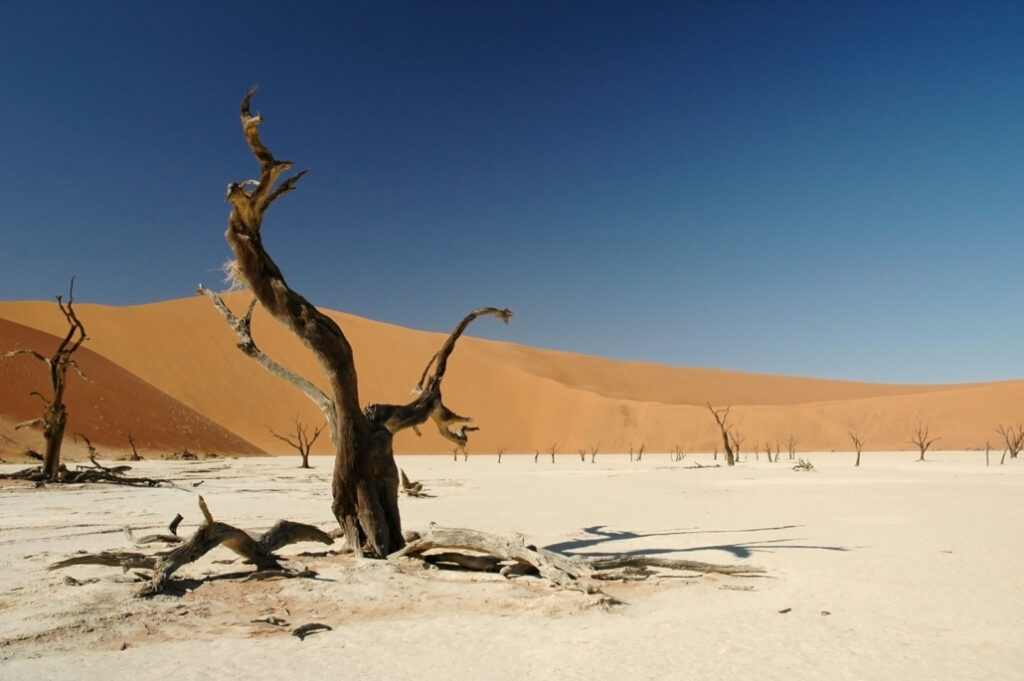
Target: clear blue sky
(813,188)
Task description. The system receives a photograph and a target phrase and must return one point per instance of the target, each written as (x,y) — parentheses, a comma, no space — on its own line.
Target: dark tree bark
(366,479)
(55,414)
(722,419)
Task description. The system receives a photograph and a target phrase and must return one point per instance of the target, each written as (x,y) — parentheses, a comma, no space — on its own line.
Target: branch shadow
(600,536)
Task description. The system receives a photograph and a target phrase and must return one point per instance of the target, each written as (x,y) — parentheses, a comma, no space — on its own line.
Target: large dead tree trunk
(55,414)
(366,479)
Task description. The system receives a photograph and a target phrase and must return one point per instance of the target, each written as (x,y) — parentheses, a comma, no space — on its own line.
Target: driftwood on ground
(412,489)
(256,550)
(510,556)
(81,473)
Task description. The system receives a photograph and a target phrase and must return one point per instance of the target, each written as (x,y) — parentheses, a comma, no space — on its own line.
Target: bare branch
(242,328)
(33,353)
(441,357)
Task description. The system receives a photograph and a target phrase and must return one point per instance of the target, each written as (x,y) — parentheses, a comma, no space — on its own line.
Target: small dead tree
(921,439)
(302,441)
(638,452)
(858,445)
(677,454)
(722,419)
(583,454)
(135,452)
(1013,438)
(366,479)
(791,447)
(593,452)
(500,450)
(552,450)
(737,441)
(55,415)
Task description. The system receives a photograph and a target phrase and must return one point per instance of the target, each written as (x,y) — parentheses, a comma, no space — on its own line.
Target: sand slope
(112,404)
(524,399)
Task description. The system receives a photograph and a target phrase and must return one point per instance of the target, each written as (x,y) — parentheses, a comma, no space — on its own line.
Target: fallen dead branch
(412,489)
(256,550)
(510,555)
(84,474)
(97,472)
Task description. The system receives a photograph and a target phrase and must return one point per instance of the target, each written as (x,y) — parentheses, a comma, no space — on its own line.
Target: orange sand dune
(524,399)
(106,409)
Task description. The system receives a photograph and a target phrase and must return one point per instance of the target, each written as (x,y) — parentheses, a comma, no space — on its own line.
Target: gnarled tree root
(510,556)
(209,535)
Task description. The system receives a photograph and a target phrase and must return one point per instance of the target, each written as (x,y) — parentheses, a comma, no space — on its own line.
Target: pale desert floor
(895,570)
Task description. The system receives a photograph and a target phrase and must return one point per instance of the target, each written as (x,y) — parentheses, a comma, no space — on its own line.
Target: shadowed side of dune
(111,405)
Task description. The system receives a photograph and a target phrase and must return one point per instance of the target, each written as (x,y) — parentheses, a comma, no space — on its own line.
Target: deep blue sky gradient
(814,188)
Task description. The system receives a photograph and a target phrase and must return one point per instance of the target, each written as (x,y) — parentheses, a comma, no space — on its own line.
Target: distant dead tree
(500,450)
(536,455)
(858,444)
(135,452)
(55,414)
(593,452)
(677,454)
(791,447)
(552,450)
(722,419)
(921,439)
(583,454)
(1013,438)
(988,448)
(638,452)
(302,442)
(737,440)
(366,479)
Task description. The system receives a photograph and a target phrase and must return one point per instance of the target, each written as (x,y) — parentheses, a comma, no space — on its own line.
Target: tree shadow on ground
(599,536)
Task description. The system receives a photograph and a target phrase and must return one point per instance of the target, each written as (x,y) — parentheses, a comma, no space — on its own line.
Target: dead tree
(791,447)
(921,439)
(677,454)
(722,419)
(366,480)
(737,441)
(1013,437)
(303,441)
(593,452)
(135,452)
(552,450)
(55,414)
(858,445)
(500,450)
(583,454)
